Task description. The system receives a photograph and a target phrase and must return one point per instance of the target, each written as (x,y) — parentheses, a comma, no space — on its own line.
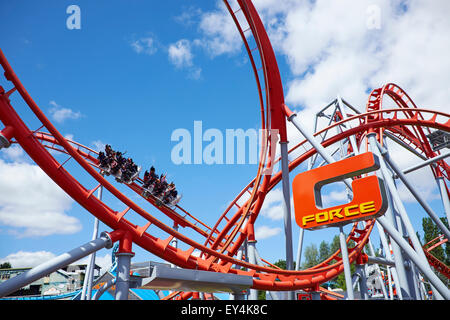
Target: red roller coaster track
(221,242)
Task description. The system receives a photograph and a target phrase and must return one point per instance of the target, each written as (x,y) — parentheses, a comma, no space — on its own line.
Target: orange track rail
(220,245)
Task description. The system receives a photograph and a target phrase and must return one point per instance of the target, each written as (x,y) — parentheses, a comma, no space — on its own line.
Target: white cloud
(31,204)
(189,16)
(273,205)
(69,136)
(422,180)
(180,55)
(195,73)
(27,259)
(220,33)
(98,145)
(264,232)
(145,45)
(14,153)
(60,114)
(334,198)
(331,49)
(104,262)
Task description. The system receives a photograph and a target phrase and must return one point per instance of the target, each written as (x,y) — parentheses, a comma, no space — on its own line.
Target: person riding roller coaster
(113,162)
(149,177)
(170,194)
(108,150)
(158,187)
(125,170)
(103,159)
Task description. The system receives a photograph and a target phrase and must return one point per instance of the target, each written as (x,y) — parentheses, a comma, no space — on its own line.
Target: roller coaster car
(147,191)
(171,203)
(120,177)
(106,169)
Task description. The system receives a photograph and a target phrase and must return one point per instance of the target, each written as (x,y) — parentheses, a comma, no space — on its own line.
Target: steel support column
(444,196)
(287,208)
(423,266)
(89,277)
(400,207)
(345,261)
(299,248)
(391,271)
(403,289)
(124,256)
(362,281)
(252,259)
(103,288)
(418,197)
(14,284)
(316,144)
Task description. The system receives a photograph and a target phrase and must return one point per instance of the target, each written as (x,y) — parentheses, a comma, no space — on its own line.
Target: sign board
(369,194)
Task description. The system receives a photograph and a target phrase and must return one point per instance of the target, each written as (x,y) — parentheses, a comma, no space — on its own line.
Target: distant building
(65,280)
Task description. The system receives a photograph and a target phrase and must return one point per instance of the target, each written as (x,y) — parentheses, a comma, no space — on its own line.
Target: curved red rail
(265,278)
(219,246)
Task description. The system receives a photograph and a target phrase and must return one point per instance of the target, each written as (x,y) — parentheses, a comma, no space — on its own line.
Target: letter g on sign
(369,195)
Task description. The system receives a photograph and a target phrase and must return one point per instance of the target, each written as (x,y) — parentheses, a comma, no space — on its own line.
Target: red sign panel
(369,195)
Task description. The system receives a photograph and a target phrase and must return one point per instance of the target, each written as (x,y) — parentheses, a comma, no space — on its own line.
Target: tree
(5,265)
(311,256)
(282,264)
(442,252)
(431,231)
(335,244)
(324,251)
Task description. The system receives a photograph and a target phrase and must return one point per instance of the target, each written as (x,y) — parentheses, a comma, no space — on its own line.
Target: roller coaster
(228,248)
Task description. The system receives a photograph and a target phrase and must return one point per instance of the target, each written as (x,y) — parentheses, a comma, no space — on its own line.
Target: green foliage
(5,265)
(324,251)
(313,256)
(282,264)
(261,295)
(430,232)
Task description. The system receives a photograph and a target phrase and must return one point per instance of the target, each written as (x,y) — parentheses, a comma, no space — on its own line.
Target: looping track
(220,243)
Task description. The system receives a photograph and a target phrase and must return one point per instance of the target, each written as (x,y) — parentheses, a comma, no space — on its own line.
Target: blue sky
(138,70)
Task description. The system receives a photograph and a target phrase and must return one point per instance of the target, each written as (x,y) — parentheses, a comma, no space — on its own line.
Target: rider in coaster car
(114,167)
(164,182)
(160,185)
(108,150)
(153,175)
(120,159)
(149,177)
(170,193)
(174,191)
(102,159)
(129,165)
(110,153)
(156,188)
(125,174)
(146,177)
